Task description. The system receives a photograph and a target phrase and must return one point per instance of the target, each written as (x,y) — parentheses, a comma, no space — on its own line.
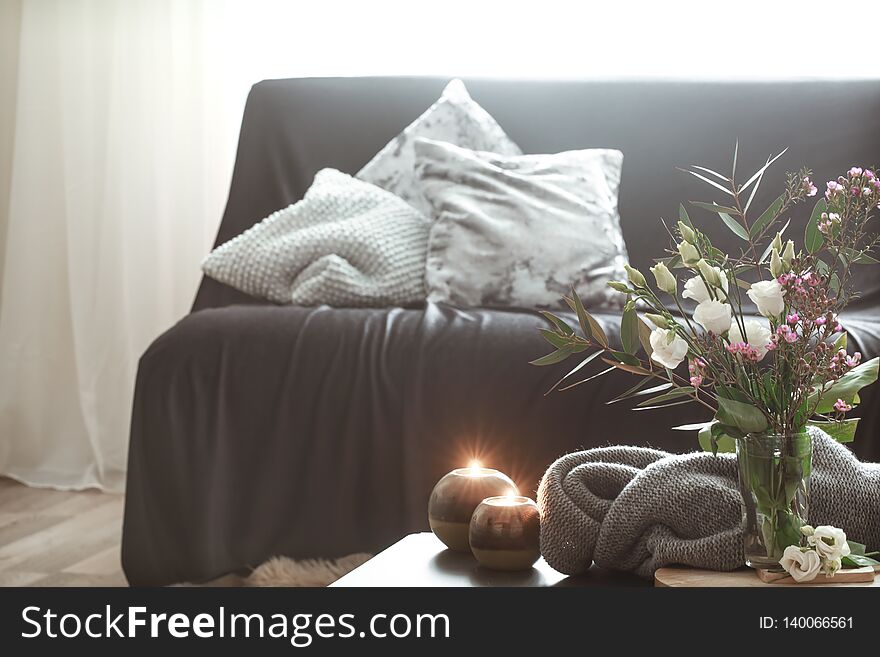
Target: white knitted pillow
(346,243)
(454,118)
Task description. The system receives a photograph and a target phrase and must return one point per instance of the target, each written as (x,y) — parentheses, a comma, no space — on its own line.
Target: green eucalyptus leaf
(556,357)
(834,283)
(714,207)
(858,561)
(767,216)
(624,357)
(554,338)
(707,180)
(813,238)
(578,367)
(651,408)
(629,329)
(857,548)
(683,216)
(760,172)
(636,391)
(715,438)
(675,393)
(714,173)
(696,426)
(735,227)
(842,432)
(847,386)
(857,257)
(645,337)
(558,322)
(589,378)
(673,262)
(742,415)
(589,325)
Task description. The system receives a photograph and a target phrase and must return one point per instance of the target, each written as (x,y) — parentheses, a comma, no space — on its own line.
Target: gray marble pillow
(454,118)
(521,230)
(346,243)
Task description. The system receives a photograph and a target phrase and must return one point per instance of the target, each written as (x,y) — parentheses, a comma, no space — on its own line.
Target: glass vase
(774,478)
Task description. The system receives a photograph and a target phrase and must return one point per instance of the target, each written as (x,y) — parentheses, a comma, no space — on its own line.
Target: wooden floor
(57,538)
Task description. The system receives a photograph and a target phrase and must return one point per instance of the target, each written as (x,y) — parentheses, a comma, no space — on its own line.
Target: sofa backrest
(292,128)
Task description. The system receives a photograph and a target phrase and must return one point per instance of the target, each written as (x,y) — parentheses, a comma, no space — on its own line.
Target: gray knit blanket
(637,509)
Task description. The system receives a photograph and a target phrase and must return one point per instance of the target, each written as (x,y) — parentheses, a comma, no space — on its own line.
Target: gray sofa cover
(263,430)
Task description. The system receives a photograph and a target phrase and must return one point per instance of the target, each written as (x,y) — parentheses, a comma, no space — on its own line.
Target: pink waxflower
(838,327)
(809,187)
(820,321)
(852,361)
(793,319)
(870,174)
(841,406)
(855,171)
(787,334)
(833,188)
(745,350)
(770,346)
(783,279)
(856,190)
(696,380)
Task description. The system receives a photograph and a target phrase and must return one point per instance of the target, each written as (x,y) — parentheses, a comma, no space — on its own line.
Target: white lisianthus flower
(665,279)
(776,266)
(668,348)
(689,254)
(767,295)
(831,566)
(713,316)
(802,566)
(695,288)
(829,542)
(757,335)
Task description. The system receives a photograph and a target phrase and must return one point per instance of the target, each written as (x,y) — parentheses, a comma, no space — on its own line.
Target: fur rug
(282,571)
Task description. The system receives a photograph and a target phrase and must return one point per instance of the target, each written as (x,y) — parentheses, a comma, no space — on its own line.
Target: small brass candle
(504,533)
(455,497)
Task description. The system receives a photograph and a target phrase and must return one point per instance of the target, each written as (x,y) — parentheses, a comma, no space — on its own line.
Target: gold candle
(455,497)
(504,533)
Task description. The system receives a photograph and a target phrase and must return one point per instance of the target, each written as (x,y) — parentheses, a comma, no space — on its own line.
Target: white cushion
(346,243)
(521,230)
(454,118)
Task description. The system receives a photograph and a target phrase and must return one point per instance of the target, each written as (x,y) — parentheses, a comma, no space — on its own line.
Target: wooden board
(744,577)
(864,574)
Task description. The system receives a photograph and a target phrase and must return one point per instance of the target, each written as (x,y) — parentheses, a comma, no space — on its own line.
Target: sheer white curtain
(118,181)
(126,117)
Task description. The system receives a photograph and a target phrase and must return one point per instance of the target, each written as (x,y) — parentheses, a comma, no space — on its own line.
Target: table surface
(422,560)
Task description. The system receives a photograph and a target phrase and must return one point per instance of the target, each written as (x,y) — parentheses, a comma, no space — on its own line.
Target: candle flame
(474,466)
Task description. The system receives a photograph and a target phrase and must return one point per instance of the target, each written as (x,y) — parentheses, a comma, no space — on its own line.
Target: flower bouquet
(765,351)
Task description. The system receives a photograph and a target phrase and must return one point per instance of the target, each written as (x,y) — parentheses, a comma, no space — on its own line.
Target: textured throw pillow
(346,243)
(454,118)
(521,230)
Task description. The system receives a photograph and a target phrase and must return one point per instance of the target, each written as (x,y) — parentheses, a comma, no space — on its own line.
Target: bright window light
(734,39)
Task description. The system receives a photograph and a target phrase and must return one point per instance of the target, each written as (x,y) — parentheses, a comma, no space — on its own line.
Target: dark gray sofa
(261,430)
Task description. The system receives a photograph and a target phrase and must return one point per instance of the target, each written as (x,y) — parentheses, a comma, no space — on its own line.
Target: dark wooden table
(422,560)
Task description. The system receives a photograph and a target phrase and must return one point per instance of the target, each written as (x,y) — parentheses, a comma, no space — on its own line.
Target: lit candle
(504,533)
(455,497)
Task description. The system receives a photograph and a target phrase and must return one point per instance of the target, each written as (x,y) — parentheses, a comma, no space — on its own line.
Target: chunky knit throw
(638,509)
